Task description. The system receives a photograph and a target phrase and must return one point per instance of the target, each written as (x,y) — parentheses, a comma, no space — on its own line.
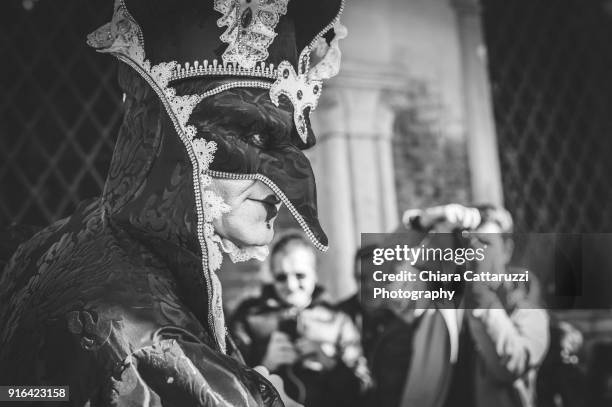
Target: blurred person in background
(486,355)
(292,331)
(561,380)
(400,340)
(408,346)
(502,331)
(352,305)
(599,376)
(369,317)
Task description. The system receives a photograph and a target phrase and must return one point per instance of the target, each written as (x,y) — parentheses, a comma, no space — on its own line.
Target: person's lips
(271,199)
(271,204)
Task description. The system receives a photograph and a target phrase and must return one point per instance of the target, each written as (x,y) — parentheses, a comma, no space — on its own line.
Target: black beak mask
(257,140)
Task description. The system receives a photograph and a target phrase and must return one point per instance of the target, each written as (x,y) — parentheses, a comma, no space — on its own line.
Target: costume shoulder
(92,308)
(322,302)
(82,286)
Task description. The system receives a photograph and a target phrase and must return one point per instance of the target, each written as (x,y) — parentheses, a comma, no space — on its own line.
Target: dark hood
(149,191)
(149,187)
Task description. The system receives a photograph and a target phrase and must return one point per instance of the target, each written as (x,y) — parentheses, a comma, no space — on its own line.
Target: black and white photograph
(306,203)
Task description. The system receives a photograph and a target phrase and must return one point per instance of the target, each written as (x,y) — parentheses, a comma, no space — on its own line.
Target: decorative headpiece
(250,32)
(263,45)
(250,28)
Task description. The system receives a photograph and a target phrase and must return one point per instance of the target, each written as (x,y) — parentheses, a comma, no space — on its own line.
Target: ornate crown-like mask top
(250,28)
(250,31)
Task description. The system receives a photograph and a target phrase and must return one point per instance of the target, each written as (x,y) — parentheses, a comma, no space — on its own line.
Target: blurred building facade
(407,123)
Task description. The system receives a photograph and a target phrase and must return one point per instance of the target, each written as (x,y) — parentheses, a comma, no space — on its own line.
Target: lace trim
(304,87)
(331,56)
(241,254)
(301,91)
(197,69)
(250,28)
(122,37)
(279,193)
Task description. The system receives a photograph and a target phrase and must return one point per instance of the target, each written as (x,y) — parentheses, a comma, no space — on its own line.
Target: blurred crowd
(497,346)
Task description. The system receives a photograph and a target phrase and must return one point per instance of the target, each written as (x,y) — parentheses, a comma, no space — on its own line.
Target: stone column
(334,186)
(354,168)
(480,125)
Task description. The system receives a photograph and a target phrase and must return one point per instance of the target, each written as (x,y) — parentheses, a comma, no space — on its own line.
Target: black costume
(120,301)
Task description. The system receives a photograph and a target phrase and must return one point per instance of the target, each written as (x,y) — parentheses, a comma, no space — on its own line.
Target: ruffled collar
(240,254)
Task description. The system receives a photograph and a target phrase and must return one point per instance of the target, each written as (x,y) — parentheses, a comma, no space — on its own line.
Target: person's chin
(265,239)
(263,234)
(297,300)
(257,236)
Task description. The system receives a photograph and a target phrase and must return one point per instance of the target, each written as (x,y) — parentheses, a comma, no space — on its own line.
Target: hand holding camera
(280,351)
(452,216)
(313,356)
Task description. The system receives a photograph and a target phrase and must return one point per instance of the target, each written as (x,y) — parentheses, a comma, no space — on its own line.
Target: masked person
(293,331)
(121,300)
